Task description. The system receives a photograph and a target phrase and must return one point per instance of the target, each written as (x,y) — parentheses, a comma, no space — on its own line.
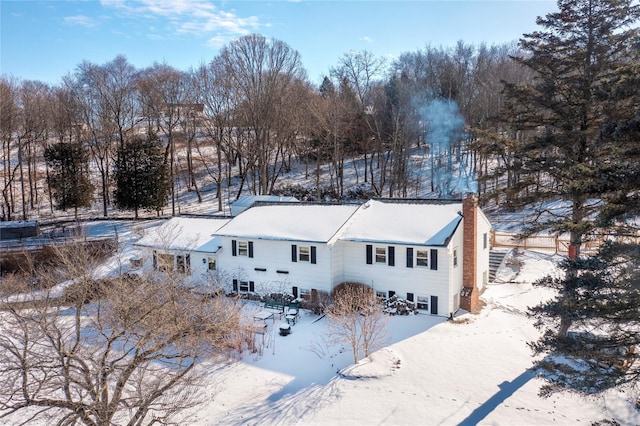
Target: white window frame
(212,261)
(243,248)
(455,257)
(380,254)
(422,303)
(243,286)
(305,293)
(304,253)
(422,260)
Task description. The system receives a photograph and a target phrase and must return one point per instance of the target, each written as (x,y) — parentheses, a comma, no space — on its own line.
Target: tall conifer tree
(577,57)
(69,177)
(584,113)
(141,176)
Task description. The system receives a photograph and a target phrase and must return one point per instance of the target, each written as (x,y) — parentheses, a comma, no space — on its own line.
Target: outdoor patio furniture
(285,329)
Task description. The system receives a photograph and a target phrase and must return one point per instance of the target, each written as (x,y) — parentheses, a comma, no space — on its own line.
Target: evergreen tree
(69,175)
(599,295)
(141,176)
(577,57)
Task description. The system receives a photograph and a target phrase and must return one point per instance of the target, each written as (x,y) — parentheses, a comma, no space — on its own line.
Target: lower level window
(381,295)
(305,293)
(423,303)
(212,263)
(165,262)
(244,286)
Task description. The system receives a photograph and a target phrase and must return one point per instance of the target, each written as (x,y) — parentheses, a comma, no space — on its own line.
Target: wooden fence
(558,244)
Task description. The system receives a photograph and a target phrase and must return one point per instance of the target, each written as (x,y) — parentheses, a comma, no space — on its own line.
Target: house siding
(421,281)
(269,257)
(484,229)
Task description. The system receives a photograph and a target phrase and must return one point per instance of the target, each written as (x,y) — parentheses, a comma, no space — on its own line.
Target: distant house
(432,252)
(243,203)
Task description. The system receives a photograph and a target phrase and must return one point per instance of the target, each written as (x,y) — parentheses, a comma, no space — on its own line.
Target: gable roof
(185,233)
(428,222)
(290,222)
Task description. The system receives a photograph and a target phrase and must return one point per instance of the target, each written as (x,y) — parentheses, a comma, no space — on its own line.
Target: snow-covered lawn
(474,370)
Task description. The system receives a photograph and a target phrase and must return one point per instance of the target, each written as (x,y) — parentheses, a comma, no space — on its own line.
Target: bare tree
(129,356)
(263,73)
(356,319)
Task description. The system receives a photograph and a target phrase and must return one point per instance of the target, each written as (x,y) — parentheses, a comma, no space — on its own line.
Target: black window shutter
(235,285)
(434,259)
(434,305)
(369,254)
(250,248)
(410,297)
(391,293)
(313,254)
(392,256)
(234,249)
(252,286)
(294,253)
(409,257)
(294,289)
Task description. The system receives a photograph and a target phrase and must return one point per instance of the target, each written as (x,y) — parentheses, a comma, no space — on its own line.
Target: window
(423,303)
(243,248)
(381,295)
(212,263)
(485,241)
(304,254)
(165,262)
(243,286)
(381,255)
(422,258)
(305,293)
(455,257)
(180,264)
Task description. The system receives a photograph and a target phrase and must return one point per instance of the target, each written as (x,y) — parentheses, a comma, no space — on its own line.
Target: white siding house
(282,247)
(410,248)
(432,252)
(186,246)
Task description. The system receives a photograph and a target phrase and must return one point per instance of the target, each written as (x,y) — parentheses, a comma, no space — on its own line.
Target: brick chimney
(469,294)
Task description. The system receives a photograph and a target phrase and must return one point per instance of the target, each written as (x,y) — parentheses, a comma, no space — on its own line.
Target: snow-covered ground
(474,370)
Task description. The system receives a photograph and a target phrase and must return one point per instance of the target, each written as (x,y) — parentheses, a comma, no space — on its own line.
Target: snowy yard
(434,372)
(473,370)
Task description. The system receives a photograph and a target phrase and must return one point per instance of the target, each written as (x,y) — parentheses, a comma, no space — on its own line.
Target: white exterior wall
(455,275)
(276,256)
(482,265)
(445,282)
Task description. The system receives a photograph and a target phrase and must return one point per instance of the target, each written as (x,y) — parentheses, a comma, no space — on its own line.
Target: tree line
(245,116)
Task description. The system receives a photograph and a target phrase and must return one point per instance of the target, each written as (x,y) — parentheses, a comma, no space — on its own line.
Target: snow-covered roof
(404,222)
(185,233)
(291,222)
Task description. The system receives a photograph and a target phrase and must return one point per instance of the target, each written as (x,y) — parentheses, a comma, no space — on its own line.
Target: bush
(398,306)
